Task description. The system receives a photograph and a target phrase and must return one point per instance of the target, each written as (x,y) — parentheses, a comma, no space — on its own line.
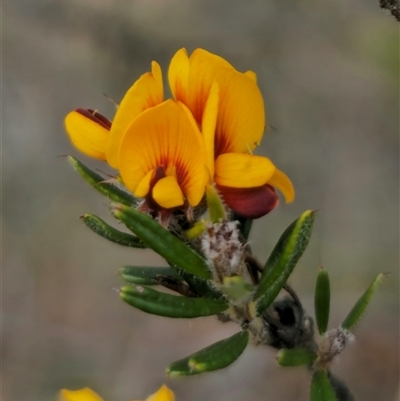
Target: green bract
(322,300)
(146,275)
(100,227)
(216,356)
(283,259)
(321,389)
(162,241)
(163,304)
(109,189)
(358,309)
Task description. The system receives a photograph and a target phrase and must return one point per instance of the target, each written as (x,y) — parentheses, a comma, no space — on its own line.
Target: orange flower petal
(208,125)
(88,133)
(146,92)
(241,116)
(167,136)
(85,394)
(238,170)
(252,75)
(281,181)
(191,78)
(167,193)
(178,75)
(144,185)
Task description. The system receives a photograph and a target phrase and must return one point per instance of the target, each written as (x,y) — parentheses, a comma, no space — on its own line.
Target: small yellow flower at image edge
(86,394)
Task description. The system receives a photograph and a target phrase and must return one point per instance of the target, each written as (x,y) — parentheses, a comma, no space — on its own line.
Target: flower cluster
(178,155)
(169,151)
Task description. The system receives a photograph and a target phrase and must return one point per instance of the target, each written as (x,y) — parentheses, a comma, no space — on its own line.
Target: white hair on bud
(221,246)
(334,343)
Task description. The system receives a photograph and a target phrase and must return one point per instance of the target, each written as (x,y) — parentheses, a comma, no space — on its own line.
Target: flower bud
(333,344)
(221,245)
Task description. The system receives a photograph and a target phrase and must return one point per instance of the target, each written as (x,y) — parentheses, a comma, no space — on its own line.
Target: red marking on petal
(221,144)
(251,203)
(157,175)
(95,116)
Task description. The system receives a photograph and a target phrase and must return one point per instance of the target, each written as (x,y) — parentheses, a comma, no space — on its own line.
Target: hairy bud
(221,246)
(333,344)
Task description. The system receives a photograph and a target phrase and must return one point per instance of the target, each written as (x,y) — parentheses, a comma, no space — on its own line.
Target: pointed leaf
(355,314)
(101,228)
(295,357)
(146,275)
(112,191)
(322,300)
(321,389)
(216,356)
(162,241)
(283,259)
(163,304)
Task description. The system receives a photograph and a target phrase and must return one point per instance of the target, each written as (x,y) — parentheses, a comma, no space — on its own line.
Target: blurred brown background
(329,74)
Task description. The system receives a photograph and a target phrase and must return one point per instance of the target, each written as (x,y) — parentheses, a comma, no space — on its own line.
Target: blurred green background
(329,73)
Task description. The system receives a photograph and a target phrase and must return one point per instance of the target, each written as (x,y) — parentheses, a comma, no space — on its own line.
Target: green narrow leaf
(146,275)
(98,182)
(358,309)
(100,227)
(163,304)
(203,287)
(283,259)
(295,357)
(321,389)
(322,298)
(162,241)
(216,356)
(245,224)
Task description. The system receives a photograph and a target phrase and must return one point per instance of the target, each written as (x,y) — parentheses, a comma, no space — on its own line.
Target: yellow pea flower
(86,394)
(164,162)
(229,108)
(162,157)
(96,136)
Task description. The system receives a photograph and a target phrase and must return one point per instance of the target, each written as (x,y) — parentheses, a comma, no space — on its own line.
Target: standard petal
(145,93)
(238,170)
(85,394)
(252,75)
(178,75)
(250,202)
(167,193)
(241,115)
(191,78)
(281,181)
(87,132)
(208,124)
(165,136)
